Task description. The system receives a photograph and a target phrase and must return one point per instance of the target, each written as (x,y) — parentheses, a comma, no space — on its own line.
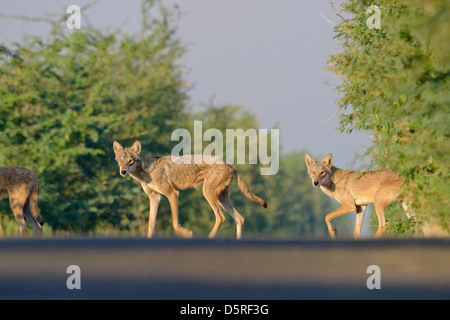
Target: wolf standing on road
(354,192)
(22,187)
(162,176)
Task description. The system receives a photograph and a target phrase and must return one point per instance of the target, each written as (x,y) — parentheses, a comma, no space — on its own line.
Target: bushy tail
(246,191)
(34,206)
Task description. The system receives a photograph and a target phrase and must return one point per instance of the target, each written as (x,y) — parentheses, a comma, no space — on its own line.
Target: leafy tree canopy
(396,84)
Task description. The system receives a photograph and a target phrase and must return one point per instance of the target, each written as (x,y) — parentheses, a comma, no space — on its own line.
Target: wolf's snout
(123,172)
(316,183)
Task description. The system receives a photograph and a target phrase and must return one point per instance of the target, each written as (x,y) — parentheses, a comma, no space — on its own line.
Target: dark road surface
(224,269)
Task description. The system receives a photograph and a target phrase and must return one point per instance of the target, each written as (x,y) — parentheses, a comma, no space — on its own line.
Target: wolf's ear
(309,160)
(117,147)
(328,161)
(136,147)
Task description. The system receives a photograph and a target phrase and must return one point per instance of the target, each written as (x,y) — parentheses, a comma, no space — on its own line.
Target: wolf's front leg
(173,200)
(342,210)
(154,198)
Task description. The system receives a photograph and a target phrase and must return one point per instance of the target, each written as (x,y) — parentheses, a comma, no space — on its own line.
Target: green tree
(65,100)
(395,84)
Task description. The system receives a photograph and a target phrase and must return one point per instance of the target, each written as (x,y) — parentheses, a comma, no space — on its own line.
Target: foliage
(395,84)
(63,103)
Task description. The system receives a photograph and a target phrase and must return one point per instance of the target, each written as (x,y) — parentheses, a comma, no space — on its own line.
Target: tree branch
(335,11)
(329,21)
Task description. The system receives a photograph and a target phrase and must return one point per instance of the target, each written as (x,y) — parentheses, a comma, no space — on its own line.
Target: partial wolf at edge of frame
(22,187)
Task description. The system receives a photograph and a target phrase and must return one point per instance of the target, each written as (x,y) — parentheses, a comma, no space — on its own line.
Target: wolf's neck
(141,173)
(337,175)
(147,161)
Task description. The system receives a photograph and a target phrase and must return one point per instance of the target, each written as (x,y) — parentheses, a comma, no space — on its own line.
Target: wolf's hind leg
(17,203)
(225,201)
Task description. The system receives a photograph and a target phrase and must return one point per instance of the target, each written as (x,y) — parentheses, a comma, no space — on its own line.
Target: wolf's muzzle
(123,173)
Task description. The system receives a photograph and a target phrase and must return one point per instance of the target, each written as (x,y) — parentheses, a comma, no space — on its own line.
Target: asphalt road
(224,269)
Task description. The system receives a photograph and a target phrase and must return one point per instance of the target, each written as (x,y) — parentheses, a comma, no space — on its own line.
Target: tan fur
(162,176)
(354,190)
(22,187)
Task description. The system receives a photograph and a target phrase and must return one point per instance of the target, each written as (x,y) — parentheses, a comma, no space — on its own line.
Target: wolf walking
(22,187)
(167,175)
(354,192)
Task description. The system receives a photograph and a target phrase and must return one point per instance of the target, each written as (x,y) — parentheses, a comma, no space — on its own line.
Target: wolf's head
(319,171)
(128,158)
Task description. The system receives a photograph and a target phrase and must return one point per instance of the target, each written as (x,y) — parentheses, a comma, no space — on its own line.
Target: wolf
(355,190)
(168,175)
(22,187)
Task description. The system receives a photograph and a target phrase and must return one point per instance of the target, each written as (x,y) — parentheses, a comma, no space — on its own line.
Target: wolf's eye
(131,161)
(322,173)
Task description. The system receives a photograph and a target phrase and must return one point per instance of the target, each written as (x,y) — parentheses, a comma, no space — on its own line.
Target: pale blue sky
(264,55)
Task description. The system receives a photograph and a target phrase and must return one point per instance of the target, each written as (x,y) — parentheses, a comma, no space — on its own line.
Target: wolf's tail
(34,205)
(246,191)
